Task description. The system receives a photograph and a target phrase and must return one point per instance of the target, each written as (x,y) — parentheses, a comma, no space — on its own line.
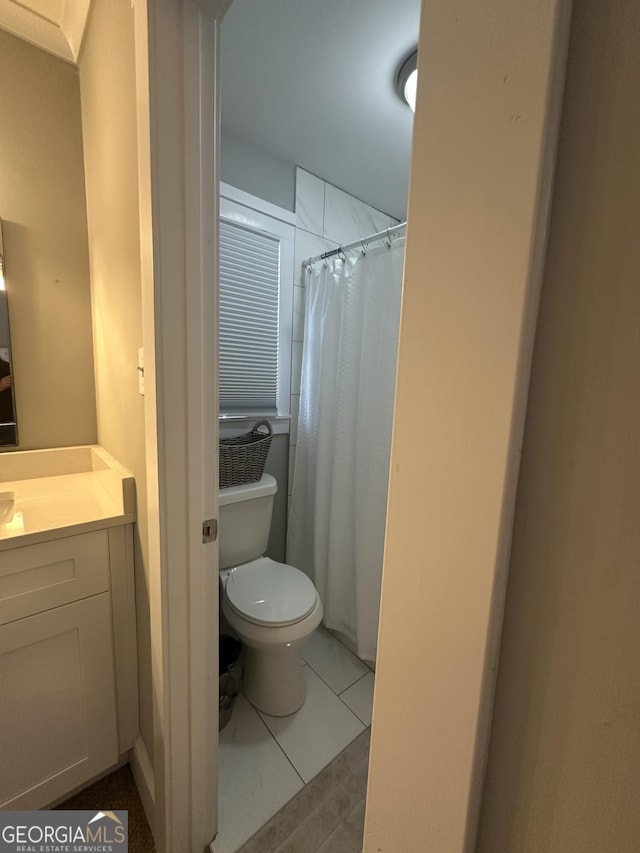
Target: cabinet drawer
(38,577)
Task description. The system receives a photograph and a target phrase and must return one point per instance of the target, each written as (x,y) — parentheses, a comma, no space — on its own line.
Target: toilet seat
(269,593)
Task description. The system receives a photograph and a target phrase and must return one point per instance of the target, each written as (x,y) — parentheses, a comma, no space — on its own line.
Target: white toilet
(273,607)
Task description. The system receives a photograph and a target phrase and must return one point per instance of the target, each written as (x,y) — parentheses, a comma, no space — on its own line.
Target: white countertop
(60,504)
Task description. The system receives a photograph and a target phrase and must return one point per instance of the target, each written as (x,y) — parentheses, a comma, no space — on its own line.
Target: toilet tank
(245,521)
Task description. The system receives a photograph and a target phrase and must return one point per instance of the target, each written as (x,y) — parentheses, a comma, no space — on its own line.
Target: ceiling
(312,81)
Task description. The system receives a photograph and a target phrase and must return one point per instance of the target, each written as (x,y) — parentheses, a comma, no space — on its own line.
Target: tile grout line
(364,675)
(319,804)
(361,721)
(337,695)
(332,634)
(366,725)
(277,742)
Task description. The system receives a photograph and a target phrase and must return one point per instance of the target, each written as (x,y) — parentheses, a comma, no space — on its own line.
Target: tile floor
(327,815)
(264,761)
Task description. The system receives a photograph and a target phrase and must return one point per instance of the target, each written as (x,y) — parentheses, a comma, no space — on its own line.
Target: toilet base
(274,683)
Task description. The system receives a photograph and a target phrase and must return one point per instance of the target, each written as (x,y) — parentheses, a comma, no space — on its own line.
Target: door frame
(178,94)
(177,64)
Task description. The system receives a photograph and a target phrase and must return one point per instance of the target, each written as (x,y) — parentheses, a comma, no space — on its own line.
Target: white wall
(250,168)
(564,757)
(326,217)
(466,336)
(108,88)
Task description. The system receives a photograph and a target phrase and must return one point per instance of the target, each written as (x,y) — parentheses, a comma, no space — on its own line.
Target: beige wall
(478,165)
(563,773)
(42,205)
(107,82)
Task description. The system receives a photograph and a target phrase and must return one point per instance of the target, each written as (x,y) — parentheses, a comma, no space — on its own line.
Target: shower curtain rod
(388,233)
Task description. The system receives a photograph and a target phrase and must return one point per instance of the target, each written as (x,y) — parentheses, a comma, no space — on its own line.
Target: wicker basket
(242,458)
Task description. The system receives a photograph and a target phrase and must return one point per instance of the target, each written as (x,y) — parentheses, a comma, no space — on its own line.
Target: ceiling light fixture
(407,80)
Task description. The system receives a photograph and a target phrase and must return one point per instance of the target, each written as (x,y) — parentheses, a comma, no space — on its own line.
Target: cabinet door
(57,702)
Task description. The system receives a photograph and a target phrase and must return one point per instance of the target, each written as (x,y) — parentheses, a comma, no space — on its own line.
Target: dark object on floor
(231,661)
(327,815)
(117,791)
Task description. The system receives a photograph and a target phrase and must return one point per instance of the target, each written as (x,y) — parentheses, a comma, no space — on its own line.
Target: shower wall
(327,217)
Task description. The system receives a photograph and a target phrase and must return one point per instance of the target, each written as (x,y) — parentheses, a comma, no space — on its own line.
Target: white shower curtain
(338,506)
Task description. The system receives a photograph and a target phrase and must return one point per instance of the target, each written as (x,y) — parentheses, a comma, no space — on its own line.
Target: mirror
(8,425)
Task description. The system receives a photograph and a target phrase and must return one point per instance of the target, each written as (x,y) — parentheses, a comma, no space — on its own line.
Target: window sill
(232,425)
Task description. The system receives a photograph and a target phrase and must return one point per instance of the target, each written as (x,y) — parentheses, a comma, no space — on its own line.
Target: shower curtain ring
(364,251)
(388,239)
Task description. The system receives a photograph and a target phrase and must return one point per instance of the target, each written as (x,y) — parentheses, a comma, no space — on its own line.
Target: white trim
(145,781)
(470,408)
(62,38)
(202,115)
(546,177)
(146,175)
(230,427)
(123,613)
(27,25)
(257,204)
(74,23)
(177,56)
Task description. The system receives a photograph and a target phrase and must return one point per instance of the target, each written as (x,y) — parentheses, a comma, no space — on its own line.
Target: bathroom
(79,322)
(91,388)
(278,175)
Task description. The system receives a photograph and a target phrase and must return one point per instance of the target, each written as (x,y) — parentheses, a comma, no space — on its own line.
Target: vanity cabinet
(68,673)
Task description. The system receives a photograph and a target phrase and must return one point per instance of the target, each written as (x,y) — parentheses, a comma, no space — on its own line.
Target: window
(256,292)
(249,306)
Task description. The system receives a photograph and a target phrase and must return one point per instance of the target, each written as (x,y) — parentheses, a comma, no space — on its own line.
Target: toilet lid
(270,593)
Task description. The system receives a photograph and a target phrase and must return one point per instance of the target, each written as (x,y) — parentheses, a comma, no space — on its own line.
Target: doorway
(274,60)
(431,186)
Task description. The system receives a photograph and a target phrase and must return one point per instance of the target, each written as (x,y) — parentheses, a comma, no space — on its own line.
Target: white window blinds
(249,297)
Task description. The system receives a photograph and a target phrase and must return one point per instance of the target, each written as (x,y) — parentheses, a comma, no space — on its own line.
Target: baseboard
(122,760)
(145,780)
